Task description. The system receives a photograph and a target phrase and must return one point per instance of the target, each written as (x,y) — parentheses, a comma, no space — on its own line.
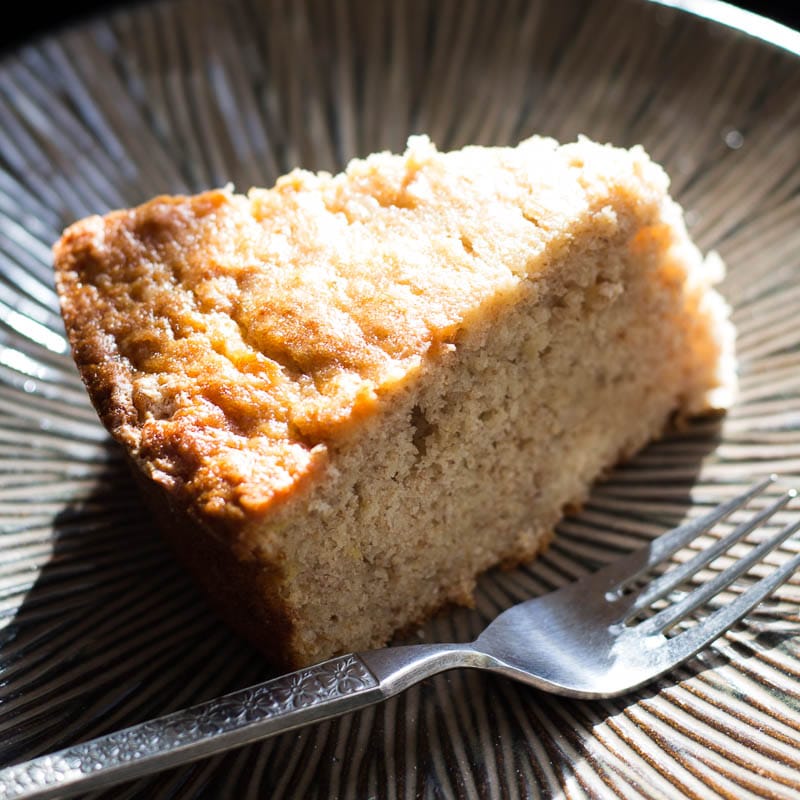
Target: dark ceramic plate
(98,628)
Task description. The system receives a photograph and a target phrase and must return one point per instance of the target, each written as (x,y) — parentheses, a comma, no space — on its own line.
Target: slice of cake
(347,396)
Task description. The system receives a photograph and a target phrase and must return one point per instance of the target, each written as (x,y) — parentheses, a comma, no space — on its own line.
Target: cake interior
(505,427)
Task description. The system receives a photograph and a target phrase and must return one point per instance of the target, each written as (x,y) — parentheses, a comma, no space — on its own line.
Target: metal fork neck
(397,668)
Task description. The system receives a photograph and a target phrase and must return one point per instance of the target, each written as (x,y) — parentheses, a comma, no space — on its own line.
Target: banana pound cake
(346,396)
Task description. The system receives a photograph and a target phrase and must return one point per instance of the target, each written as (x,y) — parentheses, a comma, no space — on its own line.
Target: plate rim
(740,19)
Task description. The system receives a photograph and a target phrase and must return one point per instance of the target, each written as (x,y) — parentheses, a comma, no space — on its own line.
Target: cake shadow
(111,632)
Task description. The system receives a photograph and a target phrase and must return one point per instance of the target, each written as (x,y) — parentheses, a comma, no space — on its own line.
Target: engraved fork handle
(325,690)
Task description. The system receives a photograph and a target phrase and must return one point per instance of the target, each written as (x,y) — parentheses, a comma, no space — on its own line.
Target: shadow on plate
(112,632)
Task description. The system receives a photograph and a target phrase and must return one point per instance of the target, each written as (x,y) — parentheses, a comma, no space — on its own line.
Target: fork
(604,635)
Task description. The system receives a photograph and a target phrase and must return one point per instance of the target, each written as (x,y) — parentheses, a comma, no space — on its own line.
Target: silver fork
(597,637)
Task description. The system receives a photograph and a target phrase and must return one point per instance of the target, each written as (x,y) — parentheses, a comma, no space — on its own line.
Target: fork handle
(325,690)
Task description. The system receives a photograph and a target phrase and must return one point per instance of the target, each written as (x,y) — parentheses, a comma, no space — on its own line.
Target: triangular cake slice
(349,395)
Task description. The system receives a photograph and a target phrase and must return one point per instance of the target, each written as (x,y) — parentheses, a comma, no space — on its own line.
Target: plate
(99,629)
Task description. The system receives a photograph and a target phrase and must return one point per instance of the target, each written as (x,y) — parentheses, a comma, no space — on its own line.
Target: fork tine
(691,641)
(669,616)
(665,583)
(629,568)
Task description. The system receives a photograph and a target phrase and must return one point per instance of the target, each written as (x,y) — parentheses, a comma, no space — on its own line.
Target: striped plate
(99,629)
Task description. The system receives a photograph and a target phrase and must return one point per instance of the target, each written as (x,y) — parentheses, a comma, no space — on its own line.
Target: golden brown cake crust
(164,378)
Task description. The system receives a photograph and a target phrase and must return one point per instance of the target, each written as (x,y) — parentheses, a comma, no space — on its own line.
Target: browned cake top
(226,339)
